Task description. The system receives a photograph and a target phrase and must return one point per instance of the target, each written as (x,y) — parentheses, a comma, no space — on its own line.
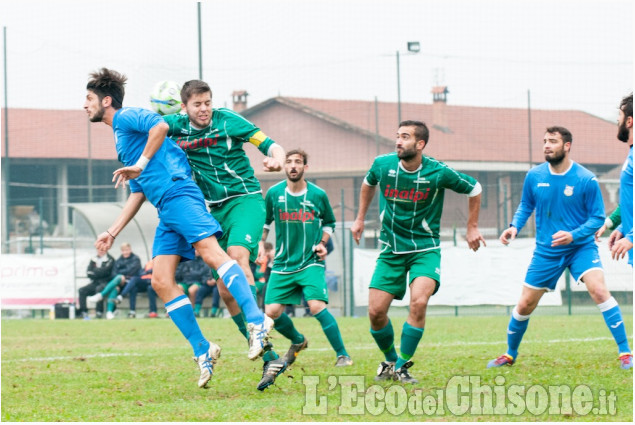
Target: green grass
(141,370)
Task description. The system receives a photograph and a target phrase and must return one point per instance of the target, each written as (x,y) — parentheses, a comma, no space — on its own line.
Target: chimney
(439,109)
(239,98)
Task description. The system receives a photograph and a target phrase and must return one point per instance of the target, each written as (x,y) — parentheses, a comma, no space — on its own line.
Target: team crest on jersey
(392,173)
(568,190)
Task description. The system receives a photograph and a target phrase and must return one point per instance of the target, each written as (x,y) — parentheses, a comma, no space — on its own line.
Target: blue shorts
(183,220)
(546,268)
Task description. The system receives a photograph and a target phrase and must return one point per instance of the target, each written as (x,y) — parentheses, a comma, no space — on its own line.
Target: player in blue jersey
(569,210)
(157,170)
(621,240)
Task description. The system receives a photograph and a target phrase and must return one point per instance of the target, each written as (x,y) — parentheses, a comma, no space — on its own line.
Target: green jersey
(219,163)
(300,219)
(411,202)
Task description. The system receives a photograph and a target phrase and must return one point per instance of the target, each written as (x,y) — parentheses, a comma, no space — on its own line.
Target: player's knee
(377,315)
(159,283)
(316,306)
(273,310)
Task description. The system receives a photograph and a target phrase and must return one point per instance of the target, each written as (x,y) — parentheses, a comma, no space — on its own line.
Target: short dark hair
(192,87)
(268,246)
(421,130)
(107,82)
(300,152)
(627,105)
(566,134)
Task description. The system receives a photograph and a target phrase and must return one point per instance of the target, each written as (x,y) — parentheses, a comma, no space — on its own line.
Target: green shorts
(288,288)
(394,272)
(242,219)
(186,286)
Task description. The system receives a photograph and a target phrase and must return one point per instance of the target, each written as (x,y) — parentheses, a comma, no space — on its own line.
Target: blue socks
(237,284)
(613,318)
(515,331)
(182,314)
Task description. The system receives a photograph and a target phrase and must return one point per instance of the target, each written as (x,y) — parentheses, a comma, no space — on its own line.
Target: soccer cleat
(294,350)
(343,361)
(99,315)
(94,299)
(132,314)
(402,374)
(206,363)
(626,361)
(153,315)
(270,370)
(503,360)
(386,371)
(259,338)
(110,315)
(119,299)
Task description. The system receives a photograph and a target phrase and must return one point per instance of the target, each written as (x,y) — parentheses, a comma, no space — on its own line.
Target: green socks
(332,331)
(410,337)
(385,339)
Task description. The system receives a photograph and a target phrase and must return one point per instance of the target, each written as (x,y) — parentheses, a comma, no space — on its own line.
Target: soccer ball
(166,97)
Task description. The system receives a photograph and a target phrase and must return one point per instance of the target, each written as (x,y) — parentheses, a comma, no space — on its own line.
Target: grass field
(141,370)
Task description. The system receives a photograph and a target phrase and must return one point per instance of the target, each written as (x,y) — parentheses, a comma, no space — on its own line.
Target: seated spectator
(99,271)
(140,283)
(190,275)
(126,267)
(210,287)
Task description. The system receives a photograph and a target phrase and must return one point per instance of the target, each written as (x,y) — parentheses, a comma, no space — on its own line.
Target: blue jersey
(167,166)
(626,201)
(571,201)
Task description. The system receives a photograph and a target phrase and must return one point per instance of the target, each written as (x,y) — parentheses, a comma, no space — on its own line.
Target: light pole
(413,47)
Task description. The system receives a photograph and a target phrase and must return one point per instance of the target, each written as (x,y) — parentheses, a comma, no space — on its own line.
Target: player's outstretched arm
(473,236)
(156,136)
(366,195)
(106,239)
(508,235)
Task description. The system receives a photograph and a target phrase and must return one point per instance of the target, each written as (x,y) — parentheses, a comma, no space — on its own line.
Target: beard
(407,154)
(99,115)
(622,132)
(556,158)
(297,177)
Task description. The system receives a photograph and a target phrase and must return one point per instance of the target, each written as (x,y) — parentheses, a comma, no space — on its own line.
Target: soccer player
(304,223)
(412,187)
(621,240)
(569,210)
(157,170)
(213,142)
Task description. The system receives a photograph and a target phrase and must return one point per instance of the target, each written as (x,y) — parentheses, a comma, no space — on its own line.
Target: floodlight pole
(200,44)
(413,47)
(6,220)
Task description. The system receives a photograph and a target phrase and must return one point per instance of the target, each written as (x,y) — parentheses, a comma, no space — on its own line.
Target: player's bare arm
(473,236)
(275,161)
(156,136)
(106,239)
(508,235)
(365,197)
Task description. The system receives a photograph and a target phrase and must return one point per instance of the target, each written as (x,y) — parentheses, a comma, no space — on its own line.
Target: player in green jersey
(304,223)
(213,141)
(412,187)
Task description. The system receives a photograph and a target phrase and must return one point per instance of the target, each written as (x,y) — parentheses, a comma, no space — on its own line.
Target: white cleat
(259,338)
(206,363)
(110,315)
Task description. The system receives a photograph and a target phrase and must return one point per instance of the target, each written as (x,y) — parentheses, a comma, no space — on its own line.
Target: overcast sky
(570,54)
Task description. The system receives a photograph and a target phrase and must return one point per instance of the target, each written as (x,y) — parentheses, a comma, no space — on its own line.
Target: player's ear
(106,101)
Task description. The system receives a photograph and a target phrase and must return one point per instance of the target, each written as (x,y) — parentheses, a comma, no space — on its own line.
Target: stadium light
(413,47)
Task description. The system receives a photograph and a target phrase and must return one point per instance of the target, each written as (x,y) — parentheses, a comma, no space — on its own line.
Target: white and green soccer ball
(166,98)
